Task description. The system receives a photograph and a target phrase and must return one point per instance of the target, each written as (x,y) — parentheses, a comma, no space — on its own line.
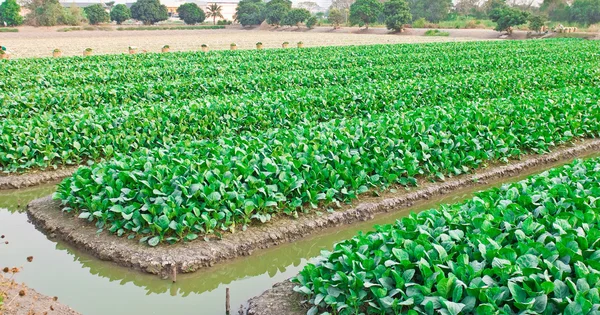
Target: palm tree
(214,11)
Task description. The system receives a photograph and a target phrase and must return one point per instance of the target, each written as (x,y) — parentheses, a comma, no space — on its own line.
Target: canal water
(95,287)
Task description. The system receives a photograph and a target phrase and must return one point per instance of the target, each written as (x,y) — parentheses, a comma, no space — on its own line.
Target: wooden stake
(227,306)
(174,274)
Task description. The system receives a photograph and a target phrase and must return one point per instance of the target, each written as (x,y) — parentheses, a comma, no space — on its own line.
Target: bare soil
(47,216)
(40,42)
(21,300)
(280,299)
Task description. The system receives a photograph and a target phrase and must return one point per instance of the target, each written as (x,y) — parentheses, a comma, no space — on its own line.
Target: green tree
(506,17)
(556,10)
(296,16)
(214,11)
(149,11)
(491,5)
(365,12)
(276,10)
(10,13)
(73,15)
(335,17)
(468,8)
(96,14)
(585,11)
(396,13)
(191,13)
(431,10)
(311,22)
(250,12)
(536,22)
(120,13)
(44,13)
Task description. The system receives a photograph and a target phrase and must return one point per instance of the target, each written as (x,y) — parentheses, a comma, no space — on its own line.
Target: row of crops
(224,166)
(89,113)
(184,145)
(531,247)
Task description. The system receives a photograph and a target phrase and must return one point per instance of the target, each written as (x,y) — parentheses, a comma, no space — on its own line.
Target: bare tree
(467,7)
(310,6)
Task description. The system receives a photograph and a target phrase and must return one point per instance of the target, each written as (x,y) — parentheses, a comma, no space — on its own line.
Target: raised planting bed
(531,247)
(33,178)
(193,189)
(185,257)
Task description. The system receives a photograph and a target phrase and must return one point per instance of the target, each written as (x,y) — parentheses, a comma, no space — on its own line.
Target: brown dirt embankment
(46,214)
(280,299)
(35,178)
(21,300)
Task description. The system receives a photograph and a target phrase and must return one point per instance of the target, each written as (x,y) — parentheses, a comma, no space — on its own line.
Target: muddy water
(94,287)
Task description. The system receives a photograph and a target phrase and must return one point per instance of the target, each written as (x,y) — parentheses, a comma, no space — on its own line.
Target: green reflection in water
(93,287)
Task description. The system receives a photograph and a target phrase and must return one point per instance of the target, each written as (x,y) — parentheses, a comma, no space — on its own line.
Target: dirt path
(21,300)
(40,42)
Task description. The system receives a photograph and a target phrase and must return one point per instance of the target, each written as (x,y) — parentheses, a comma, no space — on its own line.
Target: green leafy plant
(252,177)
(528,247)
(124,107)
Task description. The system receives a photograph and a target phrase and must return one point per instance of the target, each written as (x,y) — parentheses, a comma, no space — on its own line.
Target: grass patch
(158,28)
(436,33)
(460,23)
(574,35)
(85,28)
(467,23)
(8,30)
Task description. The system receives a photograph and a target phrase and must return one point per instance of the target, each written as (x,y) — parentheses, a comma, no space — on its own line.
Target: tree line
(393,13)
(51,13)
(397,13)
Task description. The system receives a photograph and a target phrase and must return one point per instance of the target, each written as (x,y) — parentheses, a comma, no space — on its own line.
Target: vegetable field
(530,247)
(185,145)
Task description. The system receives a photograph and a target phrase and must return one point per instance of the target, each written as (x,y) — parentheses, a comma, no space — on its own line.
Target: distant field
(31,42)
